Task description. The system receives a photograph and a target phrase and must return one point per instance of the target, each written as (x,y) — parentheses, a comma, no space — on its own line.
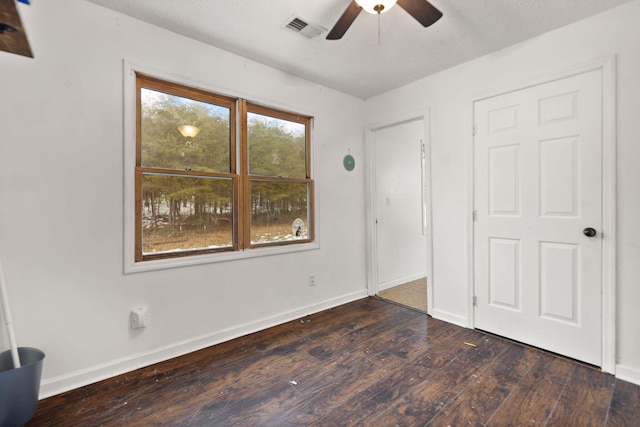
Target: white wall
(61,201)
(449,94)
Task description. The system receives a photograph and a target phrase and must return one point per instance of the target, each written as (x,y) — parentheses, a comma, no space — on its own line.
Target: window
(217,174)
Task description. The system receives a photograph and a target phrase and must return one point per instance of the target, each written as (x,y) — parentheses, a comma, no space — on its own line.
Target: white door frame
(372,266)
(608,67)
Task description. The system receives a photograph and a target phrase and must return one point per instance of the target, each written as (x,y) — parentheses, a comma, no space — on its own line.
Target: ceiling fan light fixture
(376,6)
(188,130)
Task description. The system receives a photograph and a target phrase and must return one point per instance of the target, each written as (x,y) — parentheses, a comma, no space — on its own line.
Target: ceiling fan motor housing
(423,11)
(376,6)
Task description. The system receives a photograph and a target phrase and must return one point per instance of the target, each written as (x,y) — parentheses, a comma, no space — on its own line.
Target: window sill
(161,264)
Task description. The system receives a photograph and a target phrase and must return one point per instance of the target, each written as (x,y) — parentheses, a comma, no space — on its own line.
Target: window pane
(183,213)
(277,147)
(163,144)
(279,211)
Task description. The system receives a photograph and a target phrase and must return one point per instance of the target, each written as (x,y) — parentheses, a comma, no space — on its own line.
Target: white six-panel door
(537,187)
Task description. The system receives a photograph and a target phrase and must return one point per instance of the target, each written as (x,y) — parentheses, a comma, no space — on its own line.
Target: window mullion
(245,186)
(179,172)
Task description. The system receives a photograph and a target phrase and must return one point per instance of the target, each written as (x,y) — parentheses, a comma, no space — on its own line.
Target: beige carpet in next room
(412,294)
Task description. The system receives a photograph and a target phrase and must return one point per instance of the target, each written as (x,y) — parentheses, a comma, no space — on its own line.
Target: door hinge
(474,215)
(473,129)
(475,300)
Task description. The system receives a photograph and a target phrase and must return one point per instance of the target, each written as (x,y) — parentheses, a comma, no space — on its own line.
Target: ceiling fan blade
(424,12)
(13,38)
(345,21)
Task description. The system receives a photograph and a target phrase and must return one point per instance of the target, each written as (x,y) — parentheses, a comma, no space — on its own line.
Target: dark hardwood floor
(363,363)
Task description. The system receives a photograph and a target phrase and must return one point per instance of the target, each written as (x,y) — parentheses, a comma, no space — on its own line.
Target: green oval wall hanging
(349,162)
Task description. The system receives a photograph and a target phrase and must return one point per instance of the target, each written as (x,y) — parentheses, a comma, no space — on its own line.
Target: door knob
(589,232)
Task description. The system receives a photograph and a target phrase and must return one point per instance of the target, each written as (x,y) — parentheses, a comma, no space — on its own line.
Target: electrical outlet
(139,317)
(312,280)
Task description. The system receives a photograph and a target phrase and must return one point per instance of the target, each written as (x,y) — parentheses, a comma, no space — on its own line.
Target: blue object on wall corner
(24,1)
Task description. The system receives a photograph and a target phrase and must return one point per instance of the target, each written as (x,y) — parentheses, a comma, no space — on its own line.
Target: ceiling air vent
(302,27)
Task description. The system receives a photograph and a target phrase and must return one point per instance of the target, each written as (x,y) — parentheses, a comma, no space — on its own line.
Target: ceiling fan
(423,11)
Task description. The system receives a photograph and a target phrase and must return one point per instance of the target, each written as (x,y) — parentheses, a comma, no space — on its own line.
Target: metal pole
(7,319)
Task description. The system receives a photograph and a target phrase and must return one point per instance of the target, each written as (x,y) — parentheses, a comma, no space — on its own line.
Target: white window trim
(129,153)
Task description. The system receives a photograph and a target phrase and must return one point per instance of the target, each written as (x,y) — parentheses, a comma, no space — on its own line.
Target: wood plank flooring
(365,363)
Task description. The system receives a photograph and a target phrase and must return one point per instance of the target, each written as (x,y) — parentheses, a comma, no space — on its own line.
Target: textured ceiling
(357,64)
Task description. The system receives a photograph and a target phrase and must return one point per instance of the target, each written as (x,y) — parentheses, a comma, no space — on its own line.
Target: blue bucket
(19,387)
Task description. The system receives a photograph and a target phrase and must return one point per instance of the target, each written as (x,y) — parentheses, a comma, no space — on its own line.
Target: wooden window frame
(246,177)
(238,167)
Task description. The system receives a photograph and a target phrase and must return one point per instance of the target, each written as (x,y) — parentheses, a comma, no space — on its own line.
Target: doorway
(400,213)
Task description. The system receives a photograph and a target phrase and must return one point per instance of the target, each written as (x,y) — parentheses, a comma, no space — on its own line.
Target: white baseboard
(449,318)
(629,374)
(402,281)
(60,384)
